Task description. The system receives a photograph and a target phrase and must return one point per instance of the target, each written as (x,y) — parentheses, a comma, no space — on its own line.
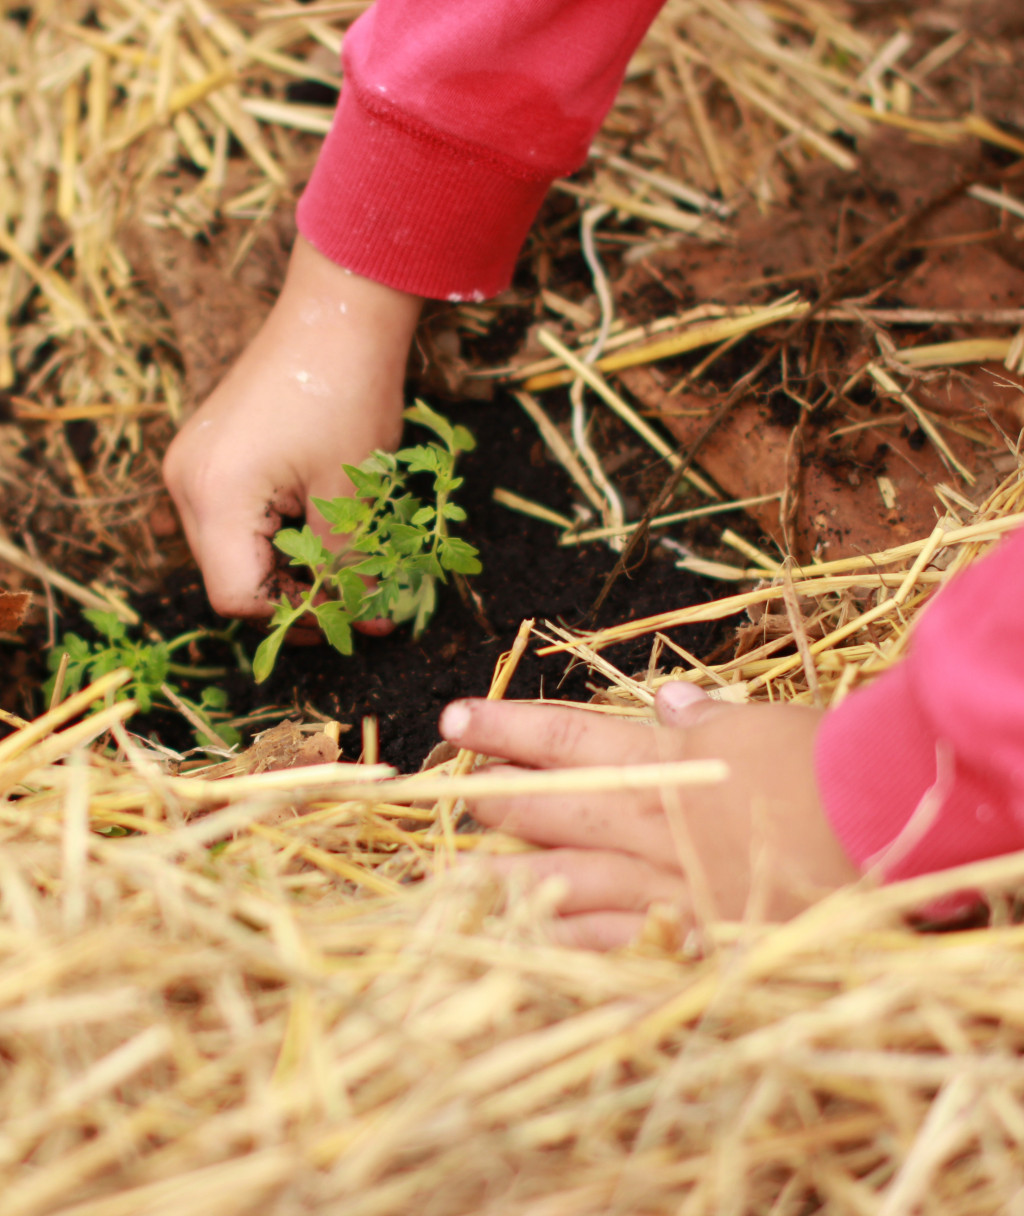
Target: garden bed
(251,979)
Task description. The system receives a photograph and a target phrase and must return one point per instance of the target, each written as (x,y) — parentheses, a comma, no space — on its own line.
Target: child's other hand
(320,386)
(619,852)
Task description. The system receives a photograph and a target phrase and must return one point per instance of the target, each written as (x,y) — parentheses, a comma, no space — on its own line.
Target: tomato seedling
(392,537)
(151,663)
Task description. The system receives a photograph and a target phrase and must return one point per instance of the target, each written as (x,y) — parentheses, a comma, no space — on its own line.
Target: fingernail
(454,721)
(678,694)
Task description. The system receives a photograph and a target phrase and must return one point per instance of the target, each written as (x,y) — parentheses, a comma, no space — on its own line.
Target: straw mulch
(259,989)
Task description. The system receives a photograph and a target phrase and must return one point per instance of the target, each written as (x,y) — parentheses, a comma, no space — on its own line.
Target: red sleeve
(950,720)
(454,118)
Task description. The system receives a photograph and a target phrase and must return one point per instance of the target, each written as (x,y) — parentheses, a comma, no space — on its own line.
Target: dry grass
(276,994)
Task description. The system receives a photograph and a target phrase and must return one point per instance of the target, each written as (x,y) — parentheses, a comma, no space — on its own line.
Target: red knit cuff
(897,796)
(415,212)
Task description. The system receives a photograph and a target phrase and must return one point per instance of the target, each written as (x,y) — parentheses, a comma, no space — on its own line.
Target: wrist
(328,296)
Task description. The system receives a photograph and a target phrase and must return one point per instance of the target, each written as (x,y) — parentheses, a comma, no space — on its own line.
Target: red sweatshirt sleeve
(950,720)
(455,117)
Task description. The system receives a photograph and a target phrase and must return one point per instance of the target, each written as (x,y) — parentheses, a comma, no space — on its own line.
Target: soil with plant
(403,681)
(768,440)
(903,233)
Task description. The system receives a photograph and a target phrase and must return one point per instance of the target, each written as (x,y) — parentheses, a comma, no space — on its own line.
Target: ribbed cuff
(413,211)
(879,765)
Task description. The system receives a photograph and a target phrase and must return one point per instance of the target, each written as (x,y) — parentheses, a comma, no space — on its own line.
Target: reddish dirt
(826,446)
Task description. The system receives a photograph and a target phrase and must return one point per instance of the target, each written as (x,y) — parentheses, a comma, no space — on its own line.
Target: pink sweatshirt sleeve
(949,719)
(455,117)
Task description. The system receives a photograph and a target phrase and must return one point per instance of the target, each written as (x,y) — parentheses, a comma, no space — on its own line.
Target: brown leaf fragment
(13,607)
(287,745)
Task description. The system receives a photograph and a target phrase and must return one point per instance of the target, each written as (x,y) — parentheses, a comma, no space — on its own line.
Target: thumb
(680,703)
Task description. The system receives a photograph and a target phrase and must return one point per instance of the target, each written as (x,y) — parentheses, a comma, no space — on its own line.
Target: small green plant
(392,537)
(152,664)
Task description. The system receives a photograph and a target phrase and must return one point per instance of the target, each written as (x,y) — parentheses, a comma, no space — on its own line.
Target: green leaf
(424,564)
(406,539)
(367,483)
(266,655)
(369,542)
(336,622)
(380,601)
(463,440)
(350,588)
(422,414)
(343,514)
(427,458)
(107,624)
(151,663)
(380,460)
(403,509)
(72,645)
(417,604)
(284,614)
(76,672)
(106,661)
(228,733)
(76,676)
(460,556)
(371,567)
(446,485)
(389,534)
(77,648)
(426,604)
(303,547)
(213,698)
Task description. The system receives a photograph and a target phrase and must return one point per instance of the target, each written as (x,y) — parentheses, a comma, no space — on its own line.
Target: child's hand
(320,386)
(762,829)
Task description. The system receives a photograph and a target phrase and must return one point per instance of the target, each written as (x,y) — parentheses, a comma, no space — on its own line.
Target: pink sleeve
(949,719)
(454,118)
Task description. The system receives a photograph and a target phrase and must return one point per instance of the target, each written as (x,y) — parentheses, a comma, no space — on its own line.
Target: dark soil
(404,682)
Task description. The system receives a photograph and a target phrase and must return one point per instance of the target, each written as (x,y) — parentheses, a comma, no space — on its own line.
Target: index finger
(235,556)
(547,736)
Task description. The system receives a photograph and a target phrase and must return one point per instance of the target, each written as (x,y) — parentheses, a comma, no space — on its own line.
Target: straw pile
(237,991)
(187,1033)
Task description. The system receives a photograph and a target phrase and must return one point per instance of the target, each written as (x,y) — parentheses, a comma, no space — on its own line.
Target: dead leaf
(13,607)
(287,745)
